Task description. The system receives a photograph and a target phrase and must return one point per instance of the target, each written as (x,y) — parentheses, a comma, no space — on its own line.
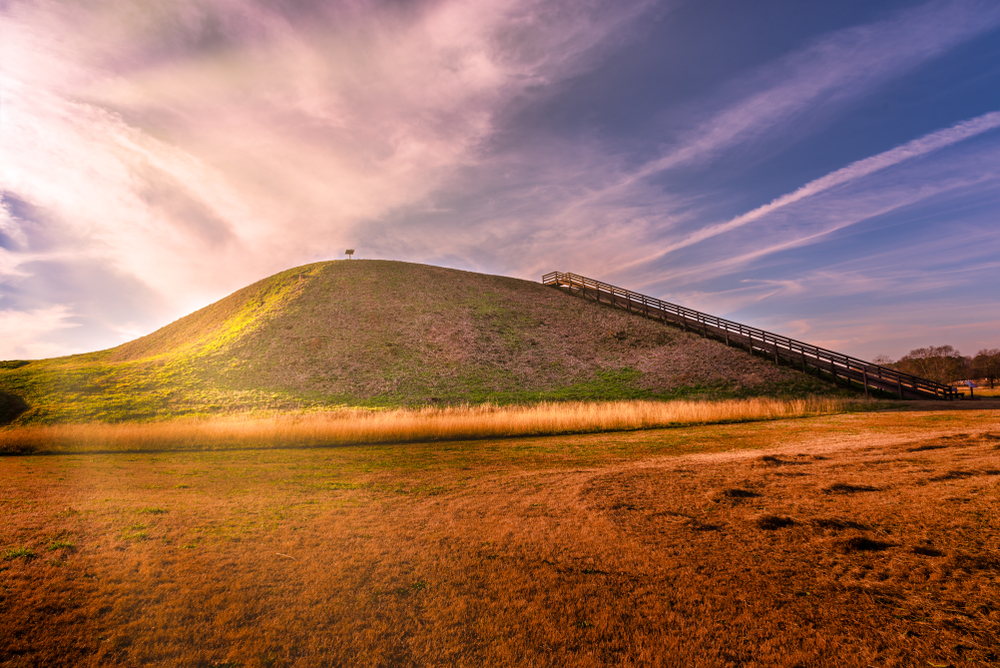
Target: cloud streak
(831,72)
(856,207)
(856,170)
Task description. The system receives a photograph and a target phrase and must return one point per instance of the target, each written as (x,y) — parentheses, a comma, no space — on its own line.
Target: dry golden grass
(407,426)
(850,540)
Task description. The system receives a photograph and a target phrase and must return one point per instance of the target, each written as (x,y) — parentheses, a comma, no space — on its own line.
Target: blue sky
(829,171)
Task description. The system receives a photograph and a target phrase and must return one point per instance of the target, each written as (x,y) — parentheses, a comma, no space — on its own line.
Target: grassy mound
(380,333)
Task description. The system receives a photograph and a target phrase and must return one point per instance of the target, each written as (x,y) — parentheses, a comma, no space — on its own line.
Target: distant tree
(941,363)
(882,360)
(349,252)
(986,364)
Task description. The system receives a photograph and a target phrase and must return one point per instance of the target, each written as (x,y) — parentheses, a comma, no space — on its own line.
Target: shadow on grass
(11,407)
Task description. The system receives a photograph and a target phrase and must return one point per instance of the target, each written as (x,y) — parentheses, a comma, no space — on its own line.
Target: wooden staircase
(842,368)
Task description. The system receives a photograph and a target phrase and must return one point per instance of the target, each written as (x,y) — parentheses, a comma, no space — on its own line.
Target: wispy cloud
(856,170)
(589,209)
(834,70)
(902,329)
(21,332)
(864,303)
(882,275)
(814,218)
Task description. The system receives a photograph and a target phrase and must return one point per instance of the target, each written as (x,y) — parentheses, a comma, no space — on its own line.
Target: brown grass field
(853,539)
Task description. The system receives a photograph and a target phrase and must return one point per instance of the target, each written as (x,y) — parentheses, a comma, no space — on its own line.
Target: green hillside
(380,333)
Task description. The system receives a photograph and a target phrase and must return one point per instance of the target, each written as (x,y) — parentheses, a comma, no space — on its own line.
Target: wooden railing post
(671,313)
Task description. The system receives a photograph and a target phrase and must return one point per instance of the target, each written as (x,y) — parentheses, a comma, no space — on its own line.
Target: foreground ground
(849,540)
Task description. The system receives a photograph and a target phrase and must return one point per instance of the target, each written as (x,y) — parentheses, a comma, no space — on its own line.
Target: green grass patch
(21,552)
(59,544)
(135,532)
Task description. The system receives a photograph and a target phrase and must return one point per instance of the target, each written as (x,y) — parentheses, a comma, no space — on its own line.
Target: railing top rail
(557,277)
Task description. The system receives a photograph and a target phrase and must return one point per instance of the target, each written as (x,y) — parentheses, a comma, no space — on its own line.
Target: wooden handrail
(806,354)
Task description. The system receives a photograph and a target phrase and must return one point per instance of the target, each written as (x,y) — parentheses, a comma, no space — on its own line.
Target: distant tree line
(946,365)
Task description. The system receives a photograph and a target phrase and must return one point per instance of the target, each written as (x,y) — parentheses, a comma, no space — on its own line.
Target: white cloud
(199,146)
(22,333)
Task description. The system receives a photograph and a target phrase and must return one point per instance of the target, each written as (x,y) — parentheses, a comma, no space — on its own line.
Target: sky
(826,170)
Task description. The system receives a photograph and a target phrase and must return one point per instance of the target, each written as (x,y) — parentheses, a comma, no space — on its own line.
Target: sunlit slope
(368,332)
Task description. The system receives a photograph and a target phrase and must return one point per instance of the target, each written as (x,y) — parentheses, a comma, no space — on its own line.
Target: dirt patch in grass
(654,548)
(863,544)
(772,522)
(736,494)
(846,488)
(835,524)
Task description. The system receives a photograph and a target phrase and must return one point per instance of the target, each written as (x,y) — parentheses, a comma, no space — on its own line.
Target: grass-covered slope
(382,333)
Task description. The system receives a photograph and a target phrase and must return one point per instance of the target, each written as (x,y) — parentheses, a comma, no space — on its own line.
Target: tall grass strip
(346,427)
